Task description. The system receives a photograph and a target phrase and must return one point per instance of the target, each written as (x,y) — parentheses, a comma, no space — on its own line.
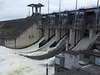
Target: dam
(70,36)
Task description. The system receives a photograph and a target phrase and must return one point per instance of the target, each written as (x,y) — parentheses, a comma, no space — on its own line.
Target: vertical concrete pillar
(63,32)
(40,10)
(32,10)
(66,31)
(47,34)
(57,34)
(72,37)
(40,33)
(81,34)
(52,32)
(67,44)
(78,36)
(91,33)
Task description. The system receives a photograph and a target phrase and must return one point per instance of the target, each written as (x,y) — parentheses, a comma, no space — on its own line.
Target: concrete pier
(52,32)
(58,34)
(47,34)
(63,32)
(75,36)
(92,33)
(72,37)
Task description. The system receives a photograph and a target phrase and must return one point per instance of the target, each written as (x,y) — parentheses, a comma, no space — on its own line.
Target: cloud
(1,5)
(10,9)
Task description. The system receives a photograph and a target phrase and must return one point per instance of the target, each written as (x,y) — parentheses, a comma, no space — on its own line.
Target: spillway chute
(51,51)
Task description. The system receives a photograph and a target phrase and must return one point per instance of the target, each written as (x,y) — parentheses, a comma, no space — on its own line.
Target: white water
(14,64)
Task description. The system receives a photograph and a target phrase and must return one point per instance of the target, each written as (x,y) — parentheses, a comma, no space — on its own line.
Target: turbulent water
(14,64)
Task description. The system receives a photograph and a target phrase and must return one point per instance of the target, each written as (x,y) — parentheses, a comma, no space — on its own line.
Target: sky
(14,9)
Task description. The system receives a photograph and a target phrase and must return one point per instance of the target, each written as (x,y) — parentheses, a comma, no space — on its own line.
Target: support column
(57,34)
(32,10)
(47,34)
(79,35)
(52,32)
(40,10)
(72,37)
(63,33)
(92,33)
(40,33)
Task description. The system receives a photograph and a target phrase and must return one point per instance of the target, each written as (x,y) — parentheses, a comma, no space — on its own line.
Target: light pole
(97,15)
(59,5)
(59,9)
(76,13)
(97,3)
(60,17)
(48,6)
(75,21)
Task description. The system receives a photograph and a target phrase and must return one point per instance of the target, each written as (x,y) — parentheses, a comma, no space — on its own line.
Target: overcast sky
(13,9)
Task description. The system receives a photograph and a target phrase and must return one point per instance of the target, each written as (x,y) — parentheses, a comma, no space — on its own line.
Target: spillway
(85,43)
(50,52)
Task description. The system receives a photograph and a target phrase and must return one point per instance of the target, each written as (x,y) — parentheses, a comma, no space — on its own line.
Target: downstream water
(14,64)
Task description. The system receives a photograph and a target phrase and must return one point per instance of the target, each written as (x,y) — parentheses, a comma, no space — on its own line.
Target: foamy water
(14,64)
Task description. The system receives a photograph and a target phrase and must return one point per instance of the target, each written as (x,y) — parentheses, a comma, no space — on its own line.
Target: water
(14,64)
